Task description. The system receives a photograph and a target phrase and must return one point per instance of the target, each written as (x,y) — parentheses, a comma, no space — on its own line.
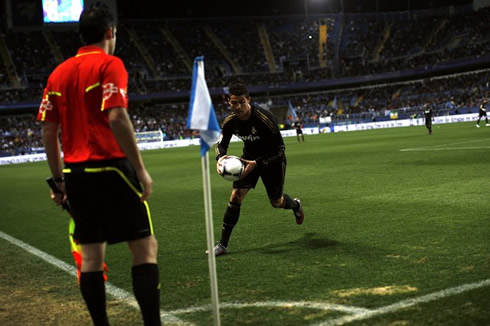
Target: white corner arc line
(114,291)
(278,304)
(406,303)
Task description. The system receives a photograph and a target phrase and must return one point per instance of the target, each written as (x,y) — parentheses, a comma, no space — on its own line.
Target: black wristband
(59,179)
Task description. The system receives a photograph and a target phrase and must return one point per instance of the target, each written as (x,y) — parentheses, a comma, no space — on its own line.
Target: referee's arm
(53,153)
(123,131)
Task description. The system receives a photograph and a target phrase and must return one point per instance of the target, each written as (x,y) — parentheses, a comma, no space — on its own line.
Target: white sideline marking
(406,303)
(114,291)
(440,148)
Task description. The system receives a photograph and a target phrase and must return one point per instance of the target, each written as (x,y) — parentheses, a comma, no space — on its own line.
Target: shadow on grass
(311,241)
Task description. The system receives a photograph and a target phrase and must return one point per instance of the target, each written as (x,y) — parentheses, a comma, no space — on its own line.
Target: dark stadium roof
(217,8)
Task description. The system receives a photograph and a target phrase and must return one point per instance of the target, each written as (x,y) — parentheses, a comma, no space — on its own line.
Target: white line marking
(277,304)
(441,148)
(114,291)
(406,303)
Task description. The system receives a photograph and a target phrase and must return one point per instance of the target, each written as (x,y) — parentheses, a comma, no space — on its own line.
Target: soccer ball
(231,168)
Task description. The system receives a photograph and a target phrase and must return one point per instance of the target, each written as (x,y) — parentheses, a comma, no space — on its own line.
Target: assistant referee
(86,99)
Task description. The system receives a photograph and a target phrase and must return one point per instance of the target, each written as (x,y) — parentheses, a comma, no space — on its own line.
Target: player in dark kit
(428,114)
(264,157)
(299,131)
(86,98)
(482,113)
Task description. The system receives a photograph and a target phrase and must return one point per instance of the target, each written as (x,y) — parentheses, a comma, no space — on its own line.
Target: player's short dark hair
(238,89)
(93,24)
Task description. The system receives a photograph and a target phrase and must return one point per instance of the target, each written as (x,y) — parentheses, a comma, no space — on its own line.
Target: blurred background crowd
(350,67)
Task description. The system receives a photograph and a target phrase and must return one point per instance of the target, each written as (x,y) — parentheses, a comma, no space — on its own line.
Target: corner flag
(201,110)
(202,117)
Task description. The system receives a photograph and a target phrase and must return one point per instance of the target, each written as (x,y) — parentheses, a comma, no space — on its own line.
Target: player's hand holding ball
(249,166)
(219,165)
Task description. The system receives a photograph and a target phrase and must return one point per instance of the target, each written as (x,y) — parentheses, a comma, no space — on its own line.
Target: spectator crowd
(272,51)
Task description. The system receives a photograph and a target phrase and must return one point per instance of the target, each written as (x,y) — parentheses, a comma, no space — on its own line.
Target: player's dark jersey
(428,113)
(260,135)
(483,110)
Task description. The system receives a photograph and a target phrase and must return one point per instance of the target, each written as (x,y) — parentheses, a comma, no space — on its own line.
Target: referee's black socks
(289,203)
(146,288)
(93,292)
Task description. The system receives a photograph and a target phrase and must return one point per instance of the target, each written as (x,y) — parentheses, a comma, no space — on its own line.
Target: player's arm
(249,166)
(53,153)
(274,134)
(265,159)
(221,150)
(123,131)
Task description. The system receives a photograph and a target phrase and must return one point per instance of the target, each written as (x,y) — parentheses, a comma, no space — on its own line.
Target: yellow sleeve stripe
(228,118)
(91,87)
(266,120)
(43,116)
(93,52)
(113,169)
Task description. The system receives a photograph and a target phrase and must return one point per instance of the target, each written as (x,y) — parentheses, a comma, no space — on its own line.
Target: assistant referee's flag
(201,111)
(203,118)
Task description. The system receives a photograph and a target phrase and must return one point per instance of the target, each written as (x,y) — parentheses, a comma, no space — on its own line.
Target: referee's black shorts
(105,200)
(272,175)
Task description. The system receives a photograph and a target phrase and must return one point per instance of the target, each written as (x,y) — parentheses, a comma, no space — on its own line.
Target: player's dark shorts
(482,114)
(105,201)
(428,122)
(299,131)
(272,175)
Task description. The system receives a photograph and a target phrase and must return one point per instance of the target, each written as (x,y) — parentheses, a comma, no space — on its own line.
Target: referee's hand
(147,182)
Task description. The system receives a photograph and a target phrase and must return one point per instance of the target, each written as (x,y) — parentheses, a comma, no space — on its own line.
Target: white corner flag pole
(210,237)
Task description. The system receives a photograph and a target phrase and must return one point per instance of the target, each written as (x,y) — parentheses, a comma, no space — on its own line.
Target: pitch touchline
(114,291)
(422,149)
(440,148)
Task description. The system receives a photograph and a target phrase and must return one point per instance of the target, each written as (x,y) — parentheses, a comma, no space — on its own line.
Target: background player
(482,113)
(299,131)
(86,97)
(428,114)
(263,154)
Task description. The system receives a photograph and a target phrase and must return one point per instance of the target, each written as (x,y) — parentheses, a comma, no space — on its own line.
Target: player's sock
(146,288)
(93,292)
(230,219)
(289,203)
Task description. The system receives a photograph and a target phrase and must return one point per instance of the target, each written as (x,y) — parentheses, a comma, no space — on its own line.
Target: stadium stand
(357,67)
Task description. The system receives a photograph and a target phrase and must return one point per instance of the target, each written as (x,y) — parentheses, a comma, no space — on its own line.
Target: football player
(299,131)
(482,113)
(264,157)
(428,113)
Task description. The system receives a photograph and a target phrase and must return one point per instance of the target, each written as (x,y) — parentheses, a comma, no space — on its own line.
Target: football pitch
(396,232)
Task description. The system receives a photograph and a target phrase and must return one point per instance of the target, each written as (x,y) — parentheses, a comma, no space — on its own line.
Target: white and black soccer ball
(231,168)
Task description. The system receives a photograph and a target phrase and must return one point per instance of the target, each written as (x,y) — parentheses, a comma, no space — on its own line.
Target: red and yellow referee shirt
(78,94)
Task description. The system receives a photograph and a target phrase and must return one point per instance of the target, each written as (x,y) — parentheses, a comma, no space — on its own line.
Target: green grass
(416,222)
